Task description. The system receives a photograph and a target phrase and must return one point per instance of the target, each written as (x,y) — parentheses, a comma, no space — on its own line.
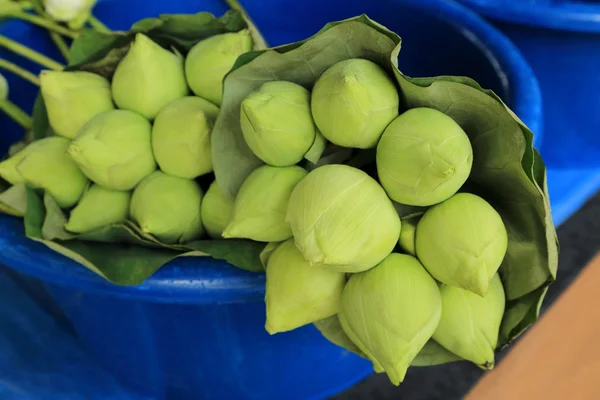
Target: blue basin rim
(211,281)
(566,15)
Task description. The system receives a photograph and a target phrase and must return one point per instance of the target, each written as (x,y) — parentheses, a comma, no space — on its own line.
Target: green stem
(30,54)
(98,25)
(15,69)
(259,40)
(61,44)
(44,23)
(16,113)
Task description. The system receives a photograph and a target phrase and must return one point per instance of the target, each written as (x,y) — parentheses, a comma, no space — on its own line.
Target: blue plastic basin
(561,41)
(195,329)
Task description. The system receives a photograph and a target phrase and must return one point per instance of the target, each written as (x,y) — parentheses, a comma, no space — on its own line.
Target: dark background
(579,240)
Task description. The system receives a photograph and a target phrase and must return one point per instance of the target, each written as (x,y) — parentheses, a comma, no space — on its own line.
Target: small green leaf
(331,329)
(41,125)
(13,201)
(244,254)
(92,46)
(185,30)
(434,354)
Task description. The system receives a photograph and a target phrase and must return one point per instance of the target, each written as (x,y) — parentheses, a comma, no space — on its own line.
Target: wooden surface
(559,358)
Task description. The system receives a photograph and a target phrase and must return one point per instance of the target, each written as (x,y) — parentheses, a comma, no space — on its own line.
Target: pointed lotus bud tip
(481,285)
(8,167)
(270,330)
(488,366)
(229,232)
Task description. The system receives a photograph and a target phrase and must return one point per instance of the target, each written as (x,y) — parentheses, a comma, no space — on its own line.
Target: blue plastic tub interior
(561,41)
(195,329)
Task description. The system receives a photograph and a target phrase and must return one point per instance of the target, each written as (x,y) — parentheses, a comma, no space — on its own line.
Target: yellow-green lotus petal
(391,311)
(462,242)
(265,254)
(8,167)
(216,211)
(261,204)
(168,208)
(210,60)
(277,124)
(98,207)
(470,324)
(46,165)
(148,78)
(114,149)
(342,219)
(352,103)
(73,98)
(181,137)
(298,294)
(423,157)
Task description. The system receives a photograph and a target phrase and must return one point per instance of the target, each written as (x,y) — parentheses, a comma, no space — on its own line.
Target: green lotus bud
(342,219)
(72,99)
(470,324)
(67,10)
(296,293)
(423,157)
(408,233)
(210,60)
(98,207)
(261,204)
(3,88)
(148,78)
(391,311)
(462,242)
(352,103)
(114,149)
(181,137)
(168,208)
(216,211)
(46,165)
(277,123)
